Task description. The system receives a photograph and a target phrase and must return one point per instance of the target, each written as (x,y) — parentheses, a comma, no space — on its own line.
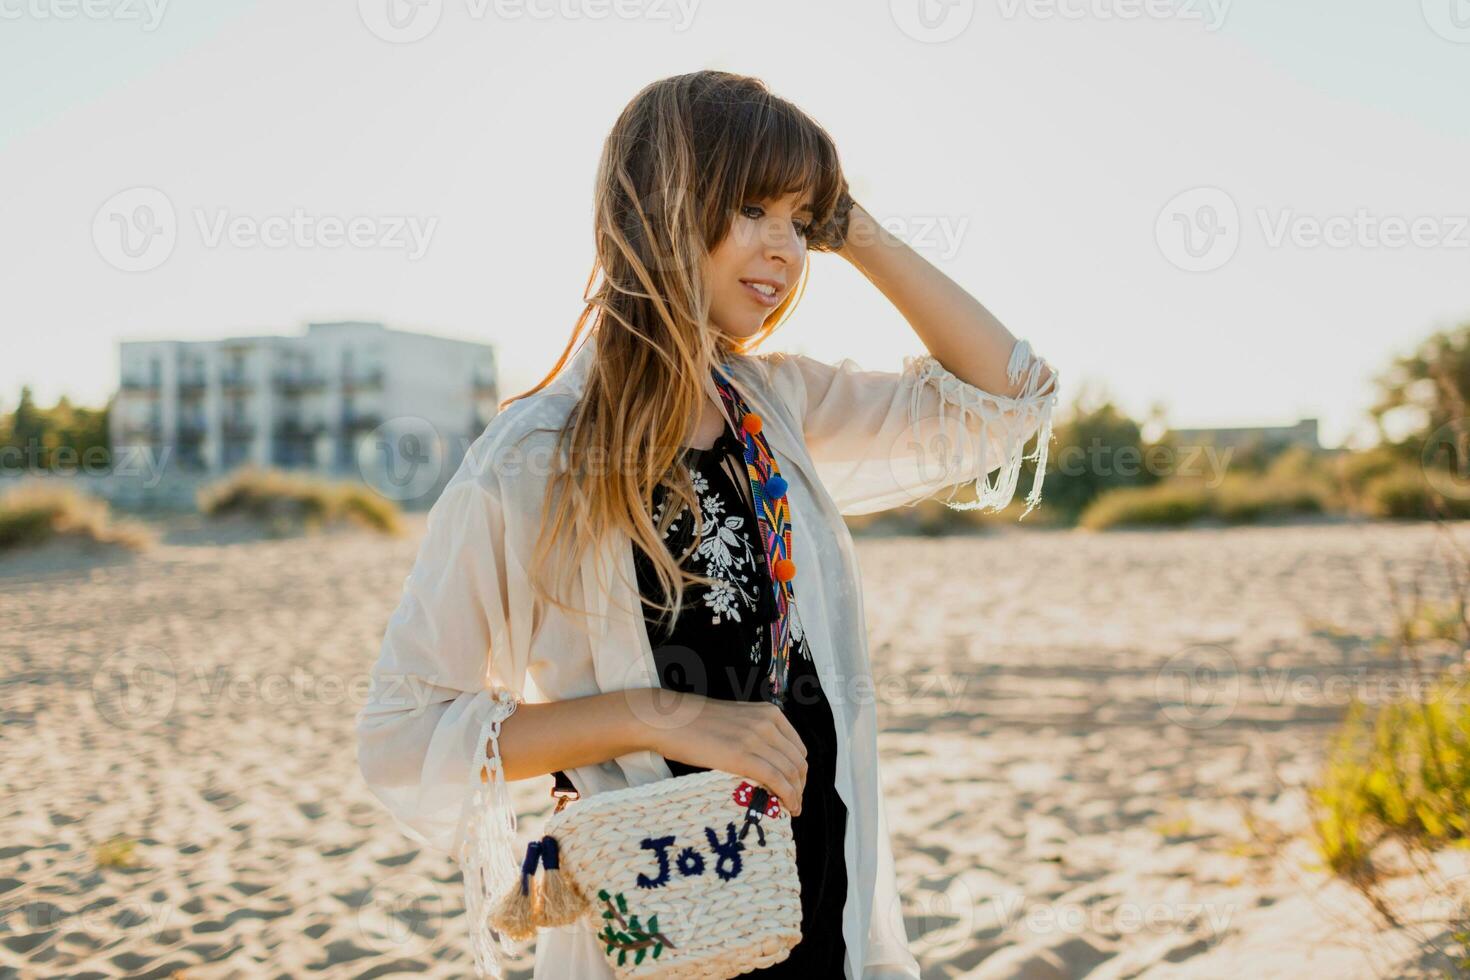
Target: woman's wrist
(543,737)
(646,726)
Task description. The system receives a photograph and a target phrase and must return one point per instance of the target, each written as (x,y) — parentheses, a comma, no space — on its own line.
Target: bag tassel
(514,916)
(560,902)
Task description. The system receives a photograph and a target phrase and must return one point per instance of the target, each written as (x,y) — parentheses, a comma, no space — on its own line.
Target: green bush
(1405,491)
(38,511)
(1168,503)
(277,497)
(1241,499)
(1404,775)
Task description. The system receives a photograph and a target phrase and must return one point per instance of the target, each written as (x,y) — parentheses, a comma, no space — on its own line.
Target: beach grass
(290,500)
(40,511)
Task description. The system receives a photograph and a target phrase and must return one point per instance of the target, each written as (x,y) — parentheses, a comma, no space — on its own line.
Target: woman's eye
(803,228)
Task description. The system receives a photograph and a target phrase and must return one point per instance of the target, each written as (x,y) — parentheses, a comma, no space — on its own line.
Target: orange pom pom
(751,423)
(785,569)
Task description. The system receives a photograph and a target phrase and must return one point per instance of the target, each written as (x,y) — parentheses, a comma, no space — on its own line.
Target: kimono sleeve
(884,439)
(446,676)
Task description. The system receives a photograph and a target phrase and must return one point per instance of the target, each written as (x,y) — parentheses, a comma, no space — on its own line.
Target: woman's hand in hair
(831,235)
(753,739)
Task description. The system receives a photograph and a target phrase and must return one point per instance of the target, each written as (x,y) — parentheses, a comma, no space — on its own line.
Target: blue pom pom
(776,487)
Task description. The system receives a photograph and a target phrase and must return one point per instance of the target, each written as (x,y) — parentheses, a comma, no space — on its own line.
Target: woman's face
(757,263)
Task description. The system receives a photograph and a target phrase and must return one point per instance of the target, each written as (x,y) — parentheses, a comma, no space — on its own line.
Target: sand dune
(1061,807)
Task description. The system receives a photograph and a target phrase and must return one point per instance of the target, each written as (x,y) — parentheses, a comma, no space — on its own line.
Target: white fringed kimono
(464,645)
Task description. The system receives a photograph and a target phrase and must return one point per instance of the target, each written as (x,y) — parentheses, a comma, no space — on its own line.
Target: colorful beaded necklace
(773,515)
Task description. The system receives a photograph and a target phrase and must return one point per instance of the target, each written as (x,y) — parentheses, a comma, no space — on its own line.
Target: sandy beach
(1093,748)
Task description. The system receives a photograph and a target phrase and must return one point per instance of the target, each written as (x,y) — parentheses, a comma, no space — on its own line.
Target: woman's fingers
(771,773)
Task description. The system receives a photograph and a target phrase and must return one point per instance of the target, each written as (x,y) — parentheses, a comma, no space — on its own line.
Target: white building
(303,402)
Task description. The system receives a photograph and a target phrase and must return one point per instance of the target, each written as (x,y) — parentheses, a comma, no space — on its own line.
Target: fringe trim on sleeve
(487,856)
(1032,411)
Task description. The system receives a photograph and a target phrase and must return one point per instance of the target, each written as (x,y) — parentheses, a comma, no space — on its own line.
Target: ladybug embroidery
(745,791)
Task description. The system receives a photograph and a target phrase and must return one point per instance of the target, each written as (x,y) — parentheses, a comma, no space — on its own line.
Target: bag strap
(773,515)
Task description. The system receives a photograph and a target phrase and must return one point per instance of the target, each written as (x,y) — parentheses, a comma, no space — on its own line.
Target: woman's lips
(767,301)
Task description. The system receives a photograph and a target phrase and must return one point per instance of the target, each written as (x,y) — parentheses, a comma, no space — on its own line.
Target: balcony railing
(145,385)
(191,387)
(151,429)
(361,421)
(363,381)
(299,429)
(295,383)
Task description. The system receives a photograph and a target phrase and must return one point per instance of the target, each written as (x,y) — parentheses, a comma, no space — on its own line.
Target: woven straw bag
(691,876)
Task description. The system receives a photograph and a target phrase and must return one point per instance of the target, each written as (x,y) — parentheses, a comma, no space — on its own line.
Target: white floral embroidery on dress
(725,553)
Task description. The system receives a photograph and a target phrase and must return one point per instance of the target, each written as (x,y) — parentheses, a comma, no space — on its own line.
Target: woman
(558,556)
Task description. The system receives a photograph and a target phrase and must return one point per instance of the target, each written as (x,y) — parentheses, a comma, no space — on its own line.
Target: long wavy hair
(684,155)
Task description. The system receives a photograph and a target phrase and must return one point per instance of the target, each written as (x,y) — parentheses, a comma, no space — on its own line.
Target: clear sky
(1132,185)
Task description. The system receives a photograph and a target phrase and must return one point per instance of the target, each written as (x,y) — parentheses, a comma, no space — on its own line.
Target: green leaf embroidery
(633,936)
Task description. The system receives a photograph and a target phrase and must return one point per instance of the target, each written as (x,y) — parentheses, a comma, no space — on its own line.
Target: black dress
(720,647)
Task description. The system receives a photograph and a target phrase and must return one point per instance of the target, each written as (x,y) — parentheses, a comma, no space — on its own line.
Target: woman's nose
(787,246)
